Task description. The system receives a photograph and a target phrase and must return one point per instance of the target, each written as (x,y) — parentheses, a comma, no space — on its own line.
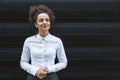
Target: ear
(36,25)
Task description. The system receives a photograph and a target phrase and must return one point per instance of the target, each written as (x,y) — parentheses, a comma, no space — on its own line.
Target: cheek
(48,24)
(38,24)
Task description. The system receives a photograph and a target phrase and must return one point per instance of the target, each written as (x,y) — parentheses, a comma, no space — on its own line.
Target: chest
(46,49)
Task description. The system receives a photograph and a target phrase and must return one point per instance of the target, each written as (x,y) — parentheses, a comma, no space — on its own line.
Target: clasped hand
(42,73)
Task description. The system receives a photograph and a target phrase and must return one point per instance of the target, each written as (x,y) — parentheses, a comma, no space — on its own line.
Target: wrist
(46,69)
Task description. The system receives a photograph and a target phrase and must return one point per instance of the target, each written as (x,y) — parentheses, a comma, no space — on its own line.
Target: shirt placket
(43,51)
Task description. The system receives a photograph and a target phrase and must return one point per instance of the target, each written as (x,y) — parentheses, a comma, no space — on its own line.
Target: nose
(44,21)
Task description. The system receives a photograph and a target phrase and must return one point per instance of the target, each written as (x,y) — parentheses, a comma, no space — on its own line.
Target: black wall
(90,30)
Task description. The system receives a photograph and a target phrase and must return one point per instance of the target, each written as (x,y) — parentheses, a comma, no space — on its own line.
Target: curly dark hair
(35,10)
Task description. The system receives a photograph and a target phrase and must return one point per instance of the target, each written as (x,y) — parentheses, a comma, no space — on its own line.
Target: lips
(44,25)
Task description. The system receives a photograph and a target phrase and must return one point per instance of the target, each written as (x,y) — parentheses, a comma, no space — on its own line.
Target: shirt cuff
(34,70)
(50,69)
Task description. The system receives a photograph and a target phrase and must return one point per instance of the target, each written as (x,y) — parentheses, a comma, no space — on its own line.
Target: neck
(43,34)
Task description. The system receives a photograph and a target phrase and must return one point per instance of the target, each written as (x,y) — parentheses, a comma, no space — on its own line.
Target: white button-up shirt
(42,51)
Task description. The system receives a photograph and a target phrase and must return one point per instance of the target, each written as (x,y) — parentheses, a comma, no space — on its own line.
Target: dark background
(90,30)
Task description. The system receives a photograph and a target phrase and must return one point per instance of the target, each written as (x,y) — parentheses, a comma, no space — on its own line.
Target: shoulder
(30,38)
(55,38)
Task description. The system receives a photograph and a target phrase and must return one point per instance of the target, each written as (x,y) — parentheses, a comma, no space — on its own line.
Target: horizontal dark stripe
(80,11)
(65,16)
(61,4)
(89,53)
(63,28)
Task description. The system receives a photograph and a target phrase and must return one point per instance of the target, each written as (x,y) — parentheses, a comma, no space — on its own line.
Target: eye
(41,20)
(47,19)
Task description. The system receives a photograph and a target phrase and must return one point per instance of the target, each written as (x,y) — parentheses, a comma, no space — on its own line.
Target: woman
(39,51)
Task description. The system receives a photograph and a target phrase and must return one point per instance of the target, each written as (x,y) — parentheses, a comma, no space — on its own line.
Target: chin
(44,30)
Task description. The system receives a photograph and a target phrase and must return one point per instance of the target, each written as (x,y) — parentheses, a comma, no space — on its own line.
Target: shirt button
(43,40)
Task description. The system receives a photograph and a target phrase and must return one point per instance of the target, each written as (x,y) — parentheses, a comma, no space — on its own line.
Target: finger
(43,75)
(40,77)
(46,70)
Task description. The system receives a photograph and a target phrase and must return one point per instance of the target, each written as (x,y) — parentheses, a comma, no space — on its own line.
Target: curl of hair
(34,9)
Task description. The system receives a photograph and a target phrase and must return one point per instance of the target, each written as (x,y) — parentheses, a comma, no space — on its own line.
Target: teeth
(44,25)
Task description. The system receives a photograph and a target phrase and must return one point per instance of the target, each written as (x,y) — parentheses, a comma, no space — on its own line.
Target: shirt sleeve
(25,58)
(62,59)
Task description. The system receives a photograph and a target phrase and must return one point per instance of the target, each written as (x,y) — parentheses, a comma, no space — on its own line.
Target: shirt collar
(46,38)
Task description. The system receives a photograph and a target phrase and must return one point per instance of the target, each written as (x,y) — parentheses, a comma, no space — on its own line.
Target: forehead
(43,15)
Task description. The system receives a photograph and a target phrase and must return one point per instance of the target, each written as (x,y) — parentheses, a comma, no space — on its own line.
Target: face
(43,23)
